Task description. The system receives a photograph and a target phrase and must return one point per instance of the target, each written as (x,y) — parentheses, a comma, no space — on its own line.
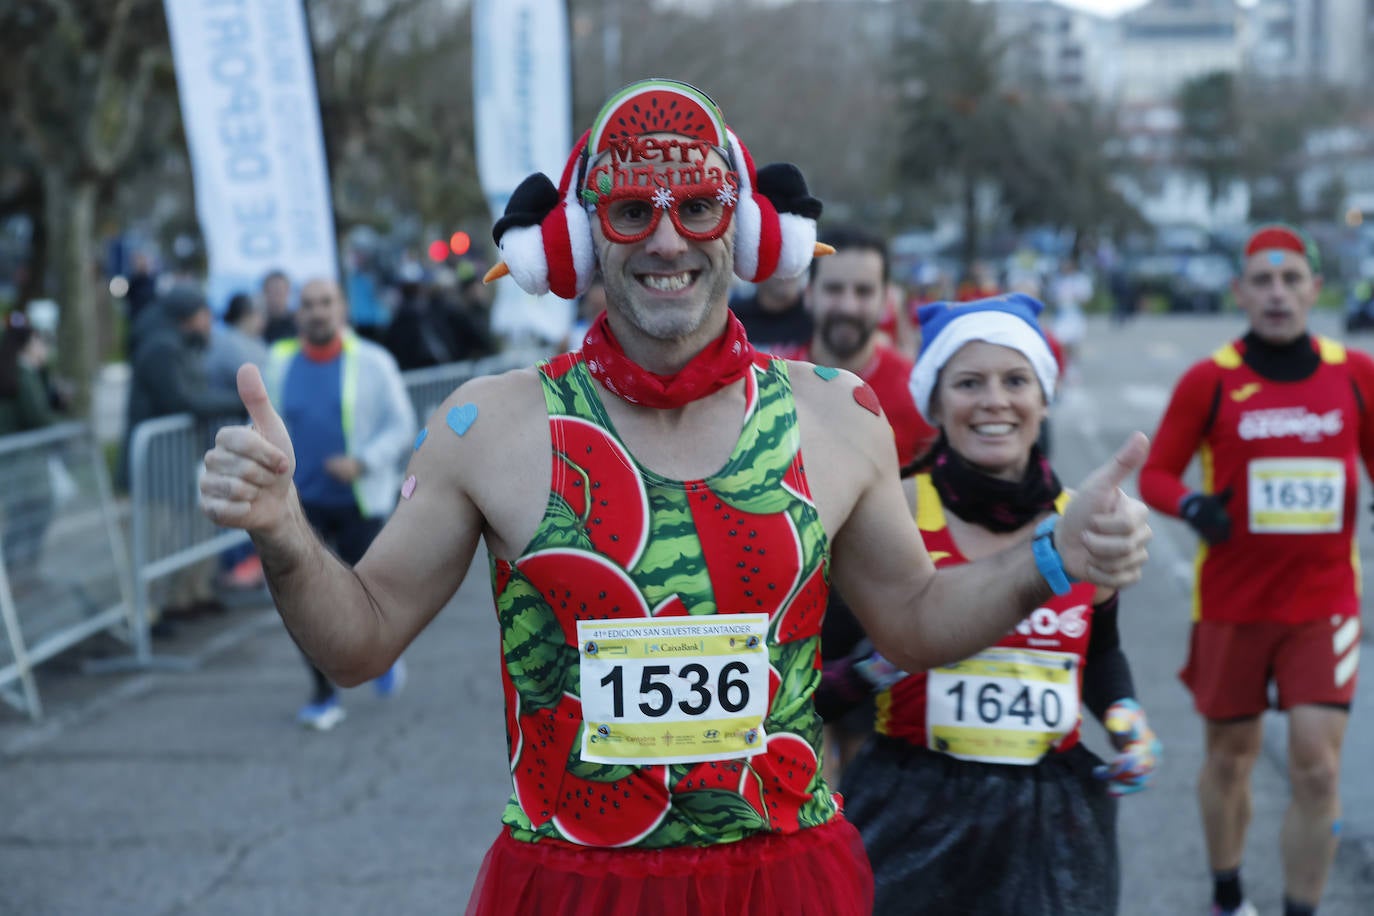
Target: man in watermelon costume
(660,551)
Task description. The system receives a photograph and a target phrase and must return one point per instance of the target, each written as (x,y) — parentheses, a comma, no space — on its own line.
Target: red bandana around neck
(723,361)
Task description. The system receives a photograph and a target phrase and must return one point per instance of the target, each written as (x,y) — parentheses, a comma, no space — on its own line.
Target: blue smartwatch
(1047,558)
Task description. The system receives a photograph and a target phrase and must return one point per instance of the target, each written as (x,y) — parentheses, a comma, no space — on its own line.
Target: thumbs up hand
(1102,536)
(247,480)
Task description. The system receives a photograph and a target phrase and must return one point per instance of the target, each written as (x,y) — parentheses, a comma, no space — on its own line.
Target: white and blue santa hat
(1012,321)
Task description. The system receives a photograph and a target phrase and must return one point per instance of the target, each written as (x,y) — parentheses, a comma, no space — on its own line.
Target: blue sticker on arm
(461,418)
(420,439)
(827,372)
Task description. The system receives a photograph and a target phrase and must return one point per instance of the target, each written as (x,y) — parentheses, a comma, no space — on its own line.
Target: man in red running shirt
(1279,418)
(846,298)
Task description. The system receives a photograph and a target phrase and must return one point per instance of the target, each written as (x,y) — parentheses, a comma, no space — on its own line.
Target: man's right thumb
(253,393)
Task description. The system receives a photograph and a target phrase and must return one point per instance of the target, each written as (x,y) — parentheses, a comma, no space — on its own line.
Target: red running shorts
(1231,665)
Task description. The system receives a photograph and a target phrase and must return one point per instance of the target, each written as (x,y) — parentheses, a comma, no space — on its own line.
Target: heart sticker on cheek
(408,488)
(461,418)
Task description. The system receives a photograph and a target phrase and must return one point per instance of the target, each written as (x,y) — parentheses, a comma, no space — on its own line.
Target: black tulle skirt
(950,837)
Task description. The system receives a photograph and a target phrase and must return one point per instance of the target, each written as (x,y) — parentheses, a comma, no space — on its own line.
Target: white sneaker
(322,716)
(1246,908)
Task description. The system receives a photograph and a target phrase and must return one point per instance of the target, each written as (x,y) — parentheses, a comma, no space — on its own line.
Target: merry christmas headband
(617,169)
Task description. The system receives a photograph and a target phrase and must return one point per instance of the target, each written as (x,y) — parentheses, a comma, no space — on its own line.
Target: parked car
(1189,281)
(1359,306)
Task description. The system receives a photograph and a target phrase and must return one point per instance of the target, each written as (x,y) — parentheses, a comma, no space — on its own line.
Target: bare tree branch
(107,163)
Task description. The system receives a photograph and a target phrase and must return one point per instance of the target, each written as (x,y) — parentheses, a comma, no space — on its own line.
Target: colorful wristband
(1047,558)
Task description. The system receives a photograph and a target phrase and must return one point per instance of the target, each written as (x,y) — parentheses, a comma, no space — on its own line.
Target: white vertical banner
(246,81)
(522,82)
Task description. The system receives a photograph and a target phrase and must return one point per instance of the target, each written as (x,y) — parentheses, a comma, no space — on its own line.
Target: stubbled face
(666,286)
(321,315)
(1277,291)
(990,405)
(846,300)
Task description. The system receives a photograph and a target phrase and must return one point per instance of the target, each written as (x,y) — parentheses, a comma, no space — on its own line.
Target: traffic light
(438,251)
(460,242)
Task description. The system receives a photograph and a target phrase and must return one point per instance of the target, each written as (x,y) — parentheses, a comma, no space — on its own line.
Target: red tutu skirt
(821,871)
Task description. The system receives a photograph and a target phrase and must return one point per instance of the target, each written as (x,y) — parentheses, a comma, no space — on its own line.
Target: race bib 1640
(1002,705)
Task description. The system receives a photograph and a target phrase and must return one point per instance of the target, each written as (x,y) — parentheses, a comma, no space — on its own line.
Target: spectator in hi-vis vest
(345,405)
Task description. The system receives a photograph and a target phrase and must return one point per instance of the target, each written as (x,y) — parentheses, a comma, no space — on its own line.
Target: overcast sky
(1113,7)
(1105,7)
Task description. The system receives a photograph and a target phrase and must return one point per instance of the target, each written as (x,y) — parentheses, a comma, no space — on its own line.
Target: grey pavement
(194,792)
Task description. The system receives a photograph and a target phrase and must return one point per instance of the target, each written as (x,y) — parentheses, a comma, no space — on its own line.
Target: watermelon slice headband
(545,235)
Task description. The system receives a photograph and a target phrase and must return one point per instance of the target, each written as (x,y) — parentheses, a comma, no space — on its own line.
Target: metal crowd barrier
(429,387)
(65,573)
(168,532)
(81,579)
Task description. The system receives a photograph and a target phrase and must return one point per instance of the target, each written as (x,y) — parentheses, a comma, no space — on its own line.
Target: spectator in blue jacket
(344,402)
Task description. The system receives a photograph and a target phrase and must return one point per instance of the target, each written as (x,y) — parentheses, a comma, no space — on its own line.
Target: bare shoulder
(484,418)
(846,440)
(837,404)
(487,447)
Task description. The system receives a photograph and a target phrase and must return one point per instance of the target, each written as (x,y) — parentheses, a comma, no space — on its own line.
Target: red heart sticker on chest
(867,398)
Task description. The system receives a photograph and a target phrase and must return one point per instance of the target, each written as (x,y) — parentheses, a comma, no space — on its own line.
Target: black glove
(1206,513)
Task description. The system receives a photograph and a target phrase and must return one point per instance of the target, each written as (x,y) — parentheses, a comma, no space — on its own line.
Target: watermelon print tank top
(618,541)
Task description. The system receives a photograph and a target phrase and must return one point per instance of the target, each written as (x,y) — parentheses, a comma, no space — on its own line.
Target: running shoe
(1246,908)
(322,716)
(390,684)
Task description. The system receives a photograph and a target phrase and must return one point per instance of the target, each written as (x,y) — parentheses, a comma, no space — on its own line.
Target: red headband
(1280,237)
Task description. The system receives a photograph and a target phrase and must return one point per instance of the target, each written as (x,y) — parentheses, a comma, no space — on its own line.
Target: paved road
(1127,376)
(165,793)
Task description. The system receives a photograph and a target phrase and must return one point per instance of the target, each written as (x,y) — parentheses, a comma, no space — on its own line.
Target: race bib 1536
(675,690)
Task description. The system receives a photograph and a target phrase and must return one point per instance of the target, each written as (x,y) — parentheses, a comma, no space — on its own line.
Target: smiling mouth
(667,283)
(993,429)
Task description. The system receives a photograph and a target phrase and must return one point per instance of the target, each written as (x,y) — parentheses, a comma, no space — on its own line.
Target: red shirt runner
(1287,451)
